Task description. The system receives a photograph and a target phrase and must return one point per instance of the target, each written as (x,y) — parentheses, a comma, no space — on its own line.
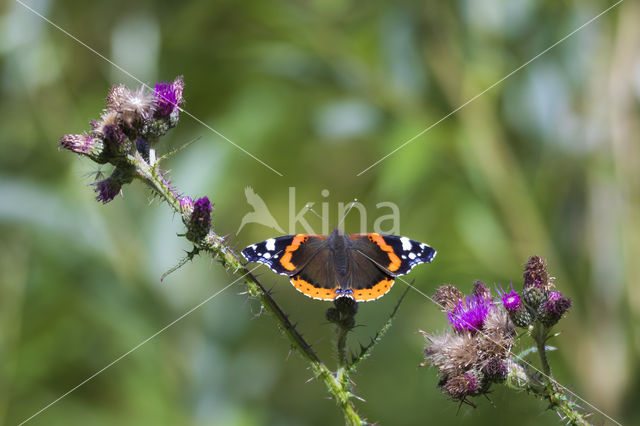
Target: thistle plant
(125,136)
(477,352)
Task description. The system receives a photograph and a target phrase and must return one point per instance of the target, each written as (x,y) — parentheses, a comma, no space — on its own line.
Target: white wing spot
(423,246)
(267,255)
(412,256)
(404,257)
(254,247)
(406,243)
(271,244)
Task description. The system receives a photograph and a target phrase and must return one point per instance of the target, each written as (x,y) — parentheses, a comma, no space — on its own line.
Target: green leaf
(533,350)
(365,351)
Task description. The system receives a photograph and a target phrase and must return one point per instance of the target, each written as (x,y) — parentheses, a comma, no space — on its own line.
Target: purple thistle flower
(511,300)
(107,189)
(470,313)
(167,97)
(83,144)
(200,221)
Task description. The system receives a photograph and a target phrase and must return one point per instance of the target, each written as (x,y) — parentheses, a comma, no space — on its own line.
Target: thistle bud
(495,369)
(554,308)
(200,220)
(516,309)
(108,188)
(84,144)
(343,313)
(534,296)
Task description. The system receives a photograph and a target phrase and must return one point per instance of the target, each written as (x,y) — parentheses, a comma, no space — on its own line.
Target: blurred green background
(547,163)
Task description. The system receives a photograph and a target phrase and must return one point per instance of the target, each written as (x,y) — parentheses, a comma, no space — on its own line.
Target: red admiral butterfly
(360,266)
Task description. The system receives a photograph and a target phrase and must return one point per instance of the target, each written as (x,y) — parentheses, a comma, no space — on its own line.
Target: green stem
(543,386)
(540,336)
(341,375)
(336,386)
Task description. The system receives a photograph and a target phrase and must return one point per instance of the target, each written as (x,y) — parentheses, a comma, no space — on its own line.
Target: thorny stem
(337,386)
(544,387)
(565,407)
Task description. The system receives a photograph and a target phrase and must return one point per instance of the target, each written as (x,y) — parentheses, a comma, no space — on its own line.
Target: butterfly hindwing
(285,255)
(318,278)
(366,279)
(363,280)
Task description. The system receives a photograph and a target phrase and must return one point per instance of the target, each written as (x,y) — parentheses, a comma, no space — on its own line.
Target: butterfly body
(360,266)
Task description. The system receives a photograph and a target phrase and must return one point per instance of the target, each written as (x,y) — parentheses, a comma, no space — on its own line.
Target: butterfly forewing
(397,255)
(285,255)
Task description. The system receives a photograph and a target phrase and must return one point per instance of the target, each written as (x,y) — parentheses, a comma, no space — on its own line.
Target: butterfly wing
(396,255)
(318,279)
(365,279)
(285,255)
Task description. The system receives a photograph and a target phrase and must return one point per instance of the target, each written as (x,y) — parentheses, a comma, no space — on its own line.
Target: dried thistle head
(451,353)
(447,296)
(536,275)
(498,335)
(480,289)
(462,386)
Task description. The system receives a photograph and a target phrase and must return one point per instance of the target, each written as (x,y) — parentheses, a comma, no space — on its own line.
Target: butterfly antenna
(353,203)
(308,206)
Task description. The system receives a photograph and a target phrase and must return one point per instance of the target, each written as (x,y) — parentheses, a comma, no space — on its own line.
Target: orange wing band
(377,291)
(285,261)
(394,260)
(310,290)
